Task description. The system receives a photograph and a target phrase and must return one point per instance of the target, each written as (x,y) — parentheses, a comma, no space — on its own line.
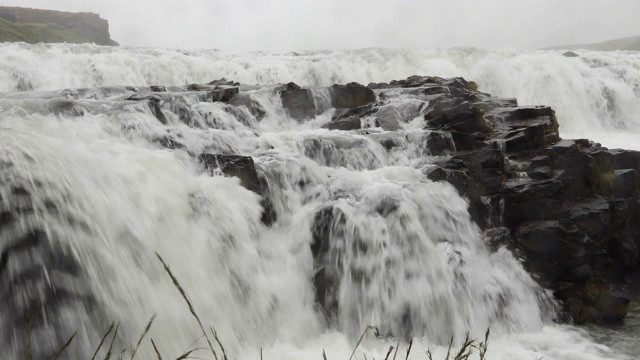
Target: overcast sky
(288,25)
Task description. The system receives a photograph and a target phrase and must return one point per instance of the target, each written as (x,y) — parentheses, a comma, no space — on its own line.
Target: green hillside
(46,26)
(35,33)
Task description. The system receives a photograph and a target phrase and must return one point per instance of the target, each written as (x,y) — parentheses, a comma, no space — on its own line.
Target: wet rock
(223,81)
(251,104)
(458,116)
(440,143)
(45,280)
(66,108)
(576,169)
(388,124)
(242,167)
(156,110)
(625,183)
(298,103)
(224,94)
(552,240)
(611,307)
(351,95)
(593,217)
(624,249)
(352,123)
(535,200)
(327,276)
(157,88)
(570,54)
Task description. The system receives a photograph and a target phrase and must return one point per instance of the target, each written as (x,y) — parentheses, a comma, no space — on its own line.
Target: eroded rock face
(568,207)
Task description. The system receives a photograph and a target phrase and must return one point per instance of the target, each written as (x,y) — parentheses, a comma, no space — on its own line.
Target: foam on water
(595,95)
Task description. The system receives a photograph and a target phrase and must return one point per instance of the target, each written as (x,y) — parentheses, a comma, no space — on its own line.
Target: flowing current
(103,189)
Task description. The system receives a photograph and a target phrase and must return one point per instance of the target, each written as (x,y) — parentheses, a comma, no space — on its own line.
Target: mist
(289,25)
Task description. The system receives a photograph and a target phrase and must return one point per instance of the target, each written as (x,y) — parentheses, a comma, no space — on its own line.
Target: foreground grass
(467,348)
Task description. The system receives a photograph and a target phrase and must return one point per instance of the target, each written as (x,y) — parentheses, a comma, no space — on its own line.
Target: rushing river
(104,191)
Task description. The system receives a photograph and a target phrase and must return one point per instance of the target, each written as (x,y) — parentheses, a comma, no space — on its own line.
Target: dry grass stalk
(65,346)
(215,336)
(155,348)
(113,339)
(102,341)
(186,299)
(388,353)
(409,349)
(395,353)
(144,333)
(376,332)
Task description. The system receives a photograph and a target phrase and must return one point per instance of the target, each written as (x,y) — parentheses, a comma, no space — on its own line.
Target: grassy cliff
(47,26)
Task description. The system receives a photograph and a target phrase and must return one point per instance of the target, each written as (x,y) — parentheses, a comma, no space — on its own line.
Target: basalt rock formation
(48,26)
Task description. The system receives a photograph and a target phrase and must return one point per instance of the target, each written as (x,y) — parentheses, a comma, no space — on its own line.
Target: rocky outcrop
(569,208)
(36,25)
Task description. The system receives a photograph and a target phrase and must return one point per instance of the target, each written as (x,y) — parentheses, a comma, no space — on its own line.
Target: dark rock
(440,143)
(243,168)
(536,200)
(593,218)
(611,307)
(570,54)
(552,240)
(624,249)
(352,123)
(66,108)
(576,169)
(298,103)
(251,104)
(388,124)
(359,112)
(468,141)
(157,112)
(463,117)
(224,94)
(351,95)
(157,88)
(625,183)
(223,82)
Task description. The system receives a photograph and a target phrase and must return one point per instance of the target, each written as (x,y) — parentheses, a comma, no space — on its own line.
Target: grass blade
(66,345)
(113,339)
(102,341)
(186,299)
(376,332)
(396,352)
(215,336)
(155,348)
(388,353)
(409,349)
(186,354)
(324,355)
(144,333)
(28,319)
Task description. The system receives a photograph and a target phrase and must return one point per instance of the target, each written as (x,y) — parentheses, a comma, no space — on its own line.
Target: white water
(596,95)
(407,247)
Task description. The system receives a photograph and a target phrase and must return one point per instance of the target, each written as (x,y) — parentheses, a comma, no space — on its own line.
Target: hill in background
(629,43)
(48,26)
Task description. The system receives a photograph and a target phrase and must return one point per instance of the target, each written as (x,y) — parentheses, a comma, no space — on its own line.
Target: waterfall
(101,186)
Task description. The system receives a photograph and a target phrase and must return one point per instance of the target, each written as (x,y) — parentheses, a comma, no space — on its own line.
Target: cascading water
(596,95)
(109,185)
